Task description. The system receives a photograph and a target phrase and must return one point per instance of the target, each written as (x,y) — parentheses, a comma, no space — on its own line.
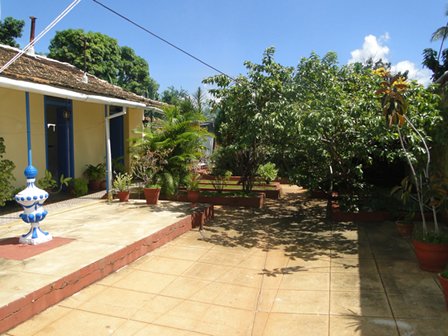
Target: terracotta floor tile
(260,321)
(295,325)
(147,282)
(208,319)
(130,328)
(159,264)
(266,300)
(242,277)
(83,296)
(117,302)
(362,326)
(228,295)
(77,322)
(222,258)
(272,279)
(39,322)
(116,276)
(353,265)
(181,252)
(311,264)
(423,327)
(415,306)
(254,261)
(306,281)
(301,302)
(155,308)
(205,271)
(354,281)
(184,288)
(402,283)
(364,303)
(155,330)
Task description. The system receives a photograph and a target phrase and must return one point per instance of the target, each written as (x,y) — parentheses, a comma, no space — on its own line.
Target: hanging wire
(42,33)
(163,40)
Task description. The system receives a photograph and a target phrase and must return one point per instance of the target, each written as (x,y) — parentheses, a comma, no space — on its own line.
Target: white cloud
(372,47)
(377,49)
(423,76)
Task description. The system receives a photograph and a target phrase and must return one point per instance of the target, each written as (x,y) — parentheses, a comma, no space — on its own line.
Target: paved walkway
(283,270)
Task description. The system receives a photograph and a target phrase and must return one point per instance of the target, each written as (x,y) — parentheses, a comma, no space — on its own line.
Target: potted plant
(122,182)
(95,175)
(431,246)
(405,222)
(192,183)
(146,166)
(267,172)
(443,279)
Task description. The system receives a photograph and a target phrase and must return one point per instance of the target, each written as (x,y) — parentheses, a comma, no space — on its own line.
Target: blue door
(117,140)
(59,137)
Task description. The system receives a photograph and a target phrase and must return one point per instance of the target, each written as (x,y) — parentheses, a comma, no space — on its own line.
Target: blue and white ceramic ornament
(31,199)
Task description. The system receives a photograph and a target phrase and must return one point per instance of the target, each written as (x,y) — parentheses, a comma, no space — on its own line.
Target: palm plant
(180,136)
(440,34)
(431,58)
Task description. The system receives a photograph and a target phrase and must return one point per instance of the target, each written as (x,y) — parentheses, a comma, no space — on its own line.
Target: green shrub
(79,187)
(221,177)
(6,176)
(122,181)
(48,183)
(223,159)
(268,172)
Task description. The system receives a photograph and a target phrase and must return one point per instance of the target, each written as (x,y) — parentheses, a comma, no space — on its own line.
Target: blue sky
(226,33)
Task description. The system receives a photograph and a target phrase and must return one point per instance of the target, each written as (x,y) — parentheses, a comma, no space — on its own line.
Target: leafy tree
(105,59)
(337,130)
(251,110)
(10,29)
(174,96)
(133,74)
(6,176)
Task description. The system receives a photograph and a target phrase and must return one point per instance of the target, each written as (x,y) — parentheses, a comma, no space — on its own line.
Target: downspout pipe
(109,150)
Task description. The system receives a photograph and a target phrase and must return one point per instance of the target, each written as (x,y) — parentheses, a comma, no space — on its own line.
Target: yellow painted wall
(88,132)
(13,130)
(89,135)
(132,121)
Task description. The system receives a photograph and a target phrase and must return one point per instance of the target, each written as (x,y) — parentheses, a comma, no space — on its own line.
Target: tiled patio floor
(280,271)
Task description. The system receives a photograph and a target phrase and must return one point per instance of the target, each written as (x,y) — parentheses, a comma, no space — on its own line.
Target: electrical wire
(163,40)
(41,34)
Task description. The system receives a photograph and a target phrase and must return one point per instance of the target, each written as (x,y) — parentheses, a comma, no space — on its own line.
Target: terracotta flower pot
(151,195)
(404,228)
(444,283)
(193,196)
(123,196)
(431,257)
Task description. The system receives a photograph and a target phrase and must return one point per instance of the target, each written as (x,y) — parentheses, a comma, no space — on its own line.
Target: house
(69,112)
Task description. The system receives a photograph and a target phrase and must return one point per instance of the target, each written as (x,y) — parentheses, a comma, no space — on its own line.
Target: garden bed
(368,209)
(271,190)
(254,200)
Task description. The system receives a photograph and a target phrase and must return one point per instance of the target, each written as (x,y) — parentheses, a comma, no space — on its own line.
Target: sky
(227,33)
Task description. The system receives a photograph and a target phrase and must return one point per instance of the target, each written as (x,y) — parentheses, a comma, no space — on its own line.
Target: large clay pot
(431,257)
(123,196)
(193,196)
(151,195)
(444,283)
